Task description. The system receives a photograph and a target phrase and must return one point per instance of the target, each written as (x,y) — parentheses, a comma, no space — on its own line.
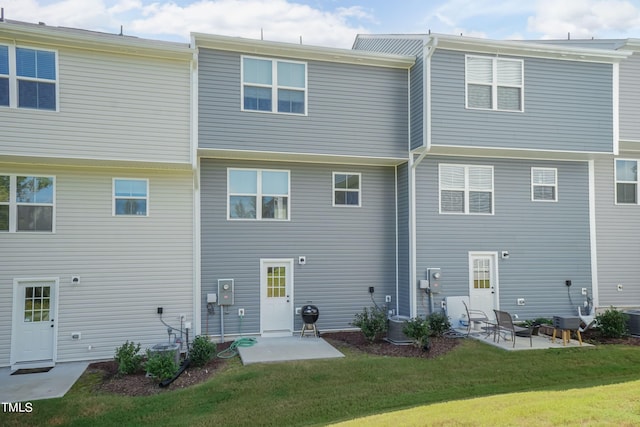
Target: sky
(335,23)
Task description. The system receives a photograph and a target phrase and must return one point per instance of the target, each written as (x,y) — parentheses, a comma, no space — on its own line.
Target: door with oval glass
(276,303)
(483,282)
(34,327)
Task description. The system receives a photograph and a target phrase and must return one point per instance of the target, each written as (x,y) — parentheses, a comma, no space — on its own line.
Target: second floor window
(626,182)
(274,86)
(494,83)
(466,189)
(28,78)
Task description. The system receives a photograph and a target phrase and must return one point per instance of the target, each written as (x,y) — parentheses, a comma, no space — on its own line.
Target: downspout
(195,165)
(428,50)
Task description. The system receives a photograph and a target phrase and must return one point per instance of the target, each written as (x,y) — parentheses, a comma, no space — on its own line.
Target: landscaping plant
(129,361)
(418,330)
(161,365)
(202,350)
(613,323)
(438,324)
(372,322)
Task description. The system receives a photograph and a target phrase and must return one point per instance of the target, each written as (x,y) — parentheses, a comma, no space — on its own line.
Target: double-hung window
(465,189)
(274,86)
(28,78)
(27,203)
(346,189)
(258,194)
(544,184)
(130,197)
(626,182)
(494,83)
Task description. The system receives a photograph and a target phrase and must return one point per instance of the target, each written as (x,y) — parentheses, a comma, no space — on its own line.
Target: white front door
(34,328)
(276,301)
(483,282)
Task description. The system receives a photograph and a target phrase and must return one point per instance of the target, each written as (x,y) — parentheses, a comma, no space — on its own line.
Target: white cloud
(585,18)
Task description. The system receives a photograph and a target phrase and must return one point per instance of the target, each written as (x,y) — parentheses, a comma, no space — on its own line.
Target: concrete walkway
(43,385)
(286,349)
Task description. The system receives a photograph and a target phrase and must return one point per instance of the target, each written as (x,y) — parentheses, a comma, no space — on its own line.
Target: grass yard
(324,392)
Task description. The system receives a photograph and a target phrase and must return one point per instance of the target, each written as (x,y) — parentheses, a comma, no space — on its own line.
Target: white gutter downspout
(195,165)
(413,163)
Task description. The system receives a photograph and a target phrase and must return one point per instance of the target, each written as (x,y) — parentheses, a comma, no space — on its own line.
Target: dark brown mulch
(140,385)
(438,345)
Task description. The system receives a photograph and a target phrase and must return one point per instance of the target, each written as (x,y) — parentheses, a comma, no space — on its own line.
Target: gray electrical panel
(433,276)
(225,291)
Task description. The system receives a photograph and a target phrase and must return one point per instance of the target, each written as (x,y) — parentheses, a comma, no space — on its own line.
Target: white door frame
(17,316)
(288,262)
(495,278)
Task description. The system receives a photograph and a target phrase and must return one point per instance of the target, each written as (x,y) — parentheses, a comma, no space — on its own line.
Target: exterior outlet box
(187,325)
(584,291)
(298,310)
(76,335)
(619,287)
(241,312)
(302,260)
(520,301)
(212,298)
(424,284)
(75,280)
(225,291)
(387,298)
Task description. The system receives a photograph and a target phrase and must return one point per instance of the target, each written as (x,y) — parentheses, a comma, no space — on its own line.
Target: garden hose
(233,348)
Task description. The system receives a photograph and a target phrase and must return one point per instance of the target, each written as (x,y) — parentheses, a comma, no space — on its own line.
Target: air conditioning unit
(634,321)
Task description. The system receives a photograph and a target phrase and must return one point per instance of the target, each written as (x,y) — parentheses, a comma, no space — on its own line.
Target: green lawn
(322,392)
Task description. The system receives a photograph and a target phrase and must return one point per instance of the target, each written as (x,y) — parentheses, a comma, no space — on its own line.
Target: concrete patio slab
(283,349)
(43,385)
(538,342)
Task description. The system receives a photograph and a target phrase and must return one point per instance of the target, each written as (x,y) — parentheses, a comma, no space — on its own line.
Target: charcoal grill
(310,314)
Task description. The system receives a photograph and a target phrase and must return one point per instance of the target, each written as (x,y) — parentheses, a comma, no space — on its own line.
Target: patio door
(483,281)
(34,329)
(276,290)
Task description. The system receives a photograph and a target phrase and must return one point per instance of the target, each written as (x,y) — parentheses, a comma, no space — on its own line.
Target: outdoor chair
(504,322)
(474,316)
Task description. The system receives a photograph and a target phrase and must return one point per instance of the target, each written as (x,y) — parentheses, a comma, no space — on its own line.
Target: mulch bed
(140,385)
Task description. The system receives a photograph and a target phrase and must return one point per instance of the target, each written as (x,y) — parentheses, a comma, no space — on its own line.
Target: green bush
(372,322)
(202,350)
(438,324)
(129,361)
(613,323)
(418,330)
(161,365)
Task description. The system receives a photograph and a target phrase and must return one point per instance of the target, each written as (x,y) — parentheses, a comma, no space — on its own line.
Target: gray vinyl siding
(630,98)
(128,266)
(618,244)
(347,249)
(111,107)
(404,299)
(352,110)
(548,242)
(402,46)
(567,107)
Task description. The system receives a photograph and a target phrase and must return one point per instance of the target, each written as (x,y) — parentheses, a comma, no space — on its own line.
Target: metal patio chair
(504,322)
(475,316)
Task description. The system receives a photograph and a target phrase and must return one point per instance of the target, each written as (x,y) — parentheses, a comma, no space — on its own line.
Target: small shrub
(418,330)
(613,323)
(202,351)
(129,361)
(438,324)
(372,322)
(161,365)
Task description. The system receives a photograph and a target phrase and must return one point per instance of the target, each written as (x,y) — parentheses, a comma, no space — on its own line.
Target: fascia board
(304,52)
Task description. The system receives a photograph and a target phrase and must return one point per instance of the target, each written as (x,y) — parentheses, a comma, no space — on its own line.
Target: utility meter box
(433,277)
(225,291)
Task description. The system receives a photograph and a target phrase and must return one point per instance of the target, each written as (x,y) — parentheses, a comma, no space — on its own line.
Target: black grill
(310,314)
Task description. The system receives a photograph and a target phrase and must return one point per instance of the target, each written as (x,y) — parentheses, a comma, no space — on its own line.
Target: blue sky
(336,22)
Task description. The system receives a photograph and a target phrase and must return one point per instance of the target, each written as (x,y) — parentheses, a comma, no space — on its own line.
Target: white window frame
(13,203)
(467,189)
(554,185)
(13,78)
(274,85)
(114,198)
(616,182)
(359,190)
(258,195)
(494,83)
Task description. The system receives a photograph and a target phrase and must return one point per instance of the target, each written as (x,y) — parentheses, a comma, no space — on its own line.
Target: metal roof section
(42,34)
(300,51)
